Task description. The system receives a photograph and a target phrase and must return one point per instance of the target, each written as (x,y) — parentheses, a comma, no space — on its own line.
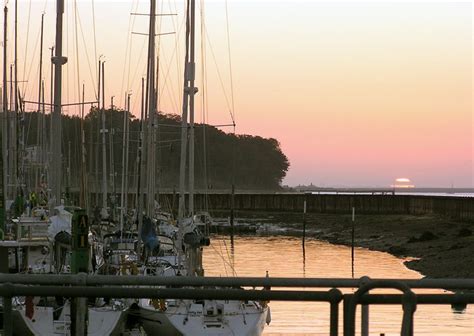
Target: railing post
(409,308)
(336,297)
(348,327)
(364,324)
(7,316)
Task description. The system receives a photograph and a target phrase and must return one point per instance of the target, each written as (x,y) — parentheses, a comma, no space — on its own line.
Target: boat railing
(219,288)
(31,229)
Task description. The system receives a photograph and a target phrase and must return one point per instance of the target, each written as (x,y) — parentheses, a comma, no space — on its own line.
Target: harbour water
(282,256)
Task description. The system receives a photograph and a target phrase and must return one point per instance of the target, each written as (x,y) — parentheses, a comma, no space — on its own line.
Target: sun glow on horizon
(403,182)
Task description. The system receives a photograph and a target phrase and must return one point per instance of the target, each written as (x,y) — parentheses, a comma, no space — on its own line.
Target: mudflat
(442,248)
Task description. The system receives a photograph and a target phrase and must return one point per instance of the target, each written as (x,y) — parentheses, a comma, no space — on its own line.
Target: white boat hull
(102,321)
(188,318)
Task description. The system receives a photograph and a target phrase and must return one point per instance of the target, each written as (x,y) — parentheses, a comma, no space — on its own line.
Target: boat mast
(184,123)
(56,137)
(193,91)
(48,147)
(125,144)
(82,191)
(14,137)
(43,135)
(139,198)
(40,116)
(104,146)
(5,109)
(151,112)
(41,63)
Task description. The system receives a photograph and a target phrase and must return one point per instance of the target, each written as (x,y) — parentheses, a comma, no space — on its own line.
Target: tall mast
(97,147)
(40,116)
(104,146)
(127,146)
(41,64)
(44,147)
(111,160)
(139,199)
(82,191)
(48,148)
(193,90)
(188,105)
(5,108)
(56,137)
(151,134)
(52,77)
(184,124)
(14,137)
(124,188)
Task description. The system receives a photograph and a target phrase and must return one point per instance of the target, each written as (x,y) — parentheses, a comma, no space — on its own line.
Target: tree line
(221,159)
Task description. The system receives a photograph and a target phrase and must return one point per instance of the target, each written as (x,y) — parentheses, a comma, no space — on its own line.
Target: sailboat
(35,246)
(196,317)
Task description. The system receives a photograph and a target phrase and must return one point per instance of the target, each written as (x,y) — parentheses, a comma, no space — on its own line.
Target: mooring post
(304,218)
(353,241)
(232,210)
(79,264)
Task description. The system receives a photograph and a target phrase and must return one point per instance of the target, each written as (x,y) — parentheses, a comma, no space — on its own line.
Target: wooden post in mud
(304,235)
(304,219)
(232,209)
(352,240)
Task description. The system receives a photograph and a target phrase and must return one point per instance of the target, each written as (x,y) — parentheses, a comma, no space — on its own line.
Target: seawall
(459,208)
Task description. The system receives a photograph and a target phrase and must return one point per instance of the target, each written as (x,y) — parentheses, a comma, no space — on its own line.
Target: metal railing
(106,286)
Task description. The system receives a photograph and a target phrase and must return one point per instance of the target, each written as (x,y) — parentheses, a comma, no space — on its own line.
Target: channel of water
(283,256)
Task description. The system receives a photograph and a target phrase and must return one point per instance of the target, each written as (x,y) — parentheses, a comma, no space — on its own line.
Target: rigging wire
(230,63)
(232,112)
(176,52)
(166,82)
(231,260)
(229,105)
(137,87)
(91,73)
(25,83)
(95,50)
(66,14)
(128,51)
(204,107)
(26,43)
(76,14)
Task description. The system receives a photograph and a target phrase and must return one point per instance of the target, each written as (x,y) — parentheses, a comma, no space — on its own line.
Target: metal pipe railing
(408,304)
(105,286)
(131,280)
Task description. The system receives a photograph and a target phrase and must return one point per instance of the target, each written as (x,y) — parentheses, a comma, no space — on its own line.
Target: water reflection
(286,256)
(304,256)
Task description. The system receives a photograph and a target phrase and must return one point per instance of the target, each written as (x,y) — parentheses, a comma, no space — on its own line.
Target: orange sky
(357,93)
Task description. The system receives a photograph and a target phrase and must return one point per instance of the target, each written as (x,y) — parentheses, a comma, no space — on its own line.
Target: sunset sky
(357,93)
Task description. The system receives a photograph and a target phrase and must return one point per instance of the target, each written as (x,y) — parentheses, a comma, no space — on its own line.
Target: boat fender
(159,304)
(205,241)
(196,240)
(269,316)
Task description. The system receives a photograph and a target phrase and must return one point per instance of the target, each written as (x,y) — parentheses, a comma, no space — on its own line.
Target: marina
(154,216)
